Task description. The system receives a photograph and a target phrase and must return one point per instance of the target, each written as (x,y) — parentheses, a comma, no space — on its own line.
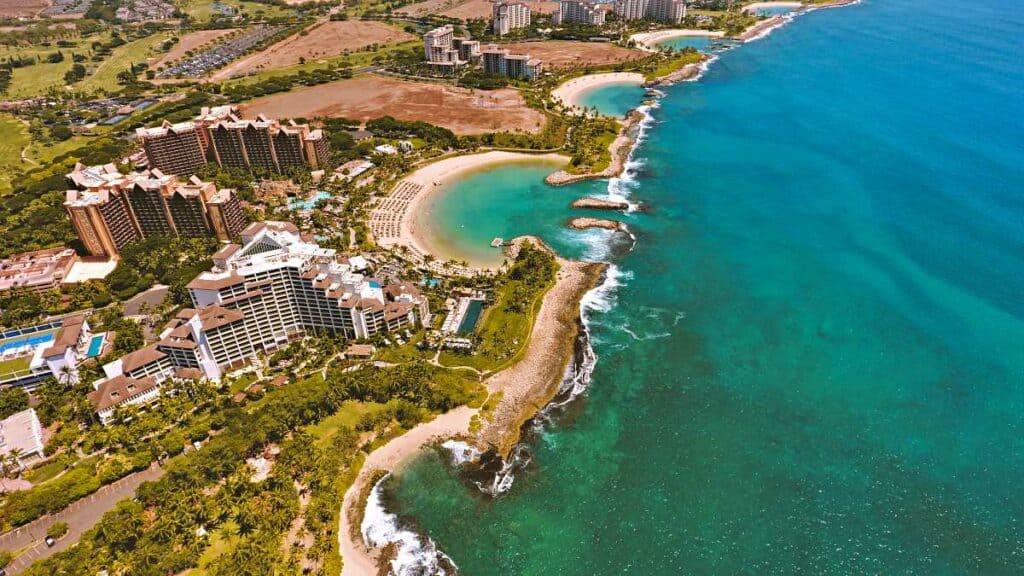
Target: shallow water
(815,362)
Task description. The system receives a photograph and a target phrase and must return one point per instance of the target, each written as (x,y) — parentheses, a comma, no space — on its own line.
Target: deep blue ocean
(812,360)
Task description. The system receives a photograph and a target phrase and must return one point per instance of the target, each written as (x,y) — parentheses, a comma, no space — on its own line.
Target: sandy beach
(762,5)
(649,40)
(358,560)
(427,180)
(572,91)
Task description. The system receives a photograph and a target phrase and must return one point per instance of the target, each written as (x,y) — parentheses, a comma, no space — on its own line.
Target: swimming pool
(95,345)
(35,340)
(309,204)
(472,316)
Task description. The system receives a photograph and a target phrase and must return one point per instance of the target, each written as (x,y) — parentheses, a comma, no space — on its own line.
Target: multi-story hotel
(502,62)
(219,135)
(110,210)
(469,50)
(267,144)
(260,295)
(508,16)
(38,271)
(671,11)
(439,48)
(181,148)
(579,12)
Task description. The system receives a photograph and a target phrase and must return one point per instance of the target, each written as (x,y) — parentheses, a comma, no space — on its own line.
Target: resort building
(21,434)
(181,148)
(110,210)
(173,148)
(579,12)
(267,144)
(51,350)
(439,48)
(219,135)
(508,16)
(502,62)
(260,295)
(671,11)
(469,50)
(38,271)
(121,391)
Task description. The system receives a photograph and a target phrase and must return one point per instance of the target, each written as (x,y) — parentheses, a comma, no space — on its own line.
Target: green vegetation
(156,533)
(57,530)
(13,138)
(9,367)
(12,400)
(672,63)
(105,76)
(504,328)
(171,261)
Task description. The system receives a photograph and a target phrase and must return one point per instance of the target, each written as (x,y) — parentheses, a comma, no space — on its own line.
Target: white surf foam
(461,452)
(415,555)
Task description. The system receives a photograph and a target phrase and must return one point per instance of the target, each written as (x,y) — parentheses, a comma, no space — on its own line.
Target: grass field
(15,365)
(13,137)
(348,416)
(36,80)
(45,153)
(201,10)
(104,77)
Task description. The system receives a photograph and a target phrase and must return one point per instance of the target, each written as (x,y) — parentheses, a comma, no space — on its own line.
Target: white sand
(439,174)
(570,92)
(649,40)
(760,5)
(358,560)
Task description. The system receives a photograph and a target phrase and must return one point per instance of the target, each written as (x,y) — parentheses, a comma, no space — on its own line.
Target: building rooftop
(39,268)
(21,431)
(119,389)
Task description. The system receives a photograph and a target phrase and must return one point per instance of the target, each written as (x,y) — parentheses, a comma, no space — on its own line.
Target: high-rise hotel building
(502,62)
(579,12)
(508,16)
(260,295)
(110,210)
(219,135)
(671,11)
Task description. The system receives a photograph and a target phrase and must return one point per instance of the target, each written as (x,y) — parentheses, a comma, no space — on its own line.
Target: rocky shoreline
(619,150)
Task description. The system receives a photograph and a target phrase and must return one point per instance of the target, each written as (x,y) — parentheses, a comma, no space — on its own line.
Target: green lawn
(407,353)
(104,76)
(503,334)
(349,416)
(36,80)
(45,472)
(45,153)
(15,365)
(13,137)
(201,10)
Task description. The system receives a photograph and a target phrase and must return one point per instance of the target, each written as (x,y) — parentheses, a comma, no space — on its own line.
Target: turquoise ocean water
(812,361)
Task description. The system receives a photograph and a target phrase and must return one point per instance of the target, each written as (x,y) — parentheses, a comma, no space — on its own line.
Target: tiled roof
(118,390)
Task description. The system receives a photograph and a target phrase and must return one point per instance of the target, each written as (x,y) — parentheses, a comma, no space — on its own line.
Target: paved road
(81,515)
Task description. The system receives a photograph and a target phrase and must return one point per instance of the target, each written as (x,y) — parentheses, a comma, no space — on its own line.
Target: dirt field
(482,9)
(15,8)
(190,42)
(565,54)
(461,110)
(323,40)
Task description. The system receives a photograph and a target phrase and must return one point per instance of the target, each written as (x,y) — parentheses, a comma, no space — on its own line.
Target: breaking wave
(412,554)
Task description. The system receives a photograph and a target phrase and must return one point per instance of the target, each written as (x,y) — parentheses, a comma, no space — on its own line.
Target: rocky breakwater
(585,223)
(600,204)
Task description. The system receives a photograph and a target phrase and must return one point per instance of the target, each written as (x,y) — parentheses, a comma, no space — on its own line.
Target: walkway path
(81,515)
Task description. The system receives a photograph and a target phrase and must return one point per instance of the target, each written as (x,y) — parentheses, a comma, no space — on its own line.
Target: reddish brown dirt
(461,110)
